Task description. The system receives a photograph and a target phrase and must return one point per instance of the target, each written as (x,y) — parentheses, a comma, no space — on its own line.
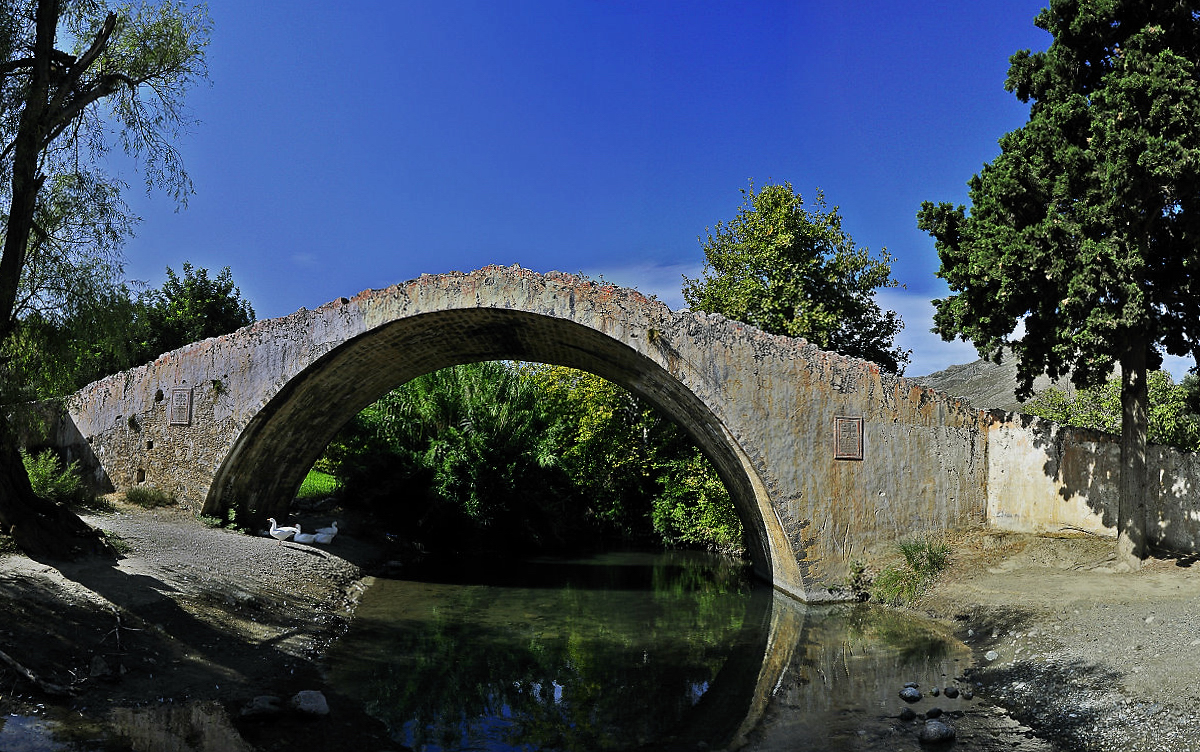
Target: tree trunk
(41,528)
(1133,488)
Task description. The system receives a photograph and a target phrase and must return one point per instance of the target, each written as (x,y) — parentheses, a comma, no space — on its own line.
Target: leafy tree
(1086,228)
(1173,418)
(473,449)
(189,309)
(609,443)
(121,84)
(791,270)
(536,454)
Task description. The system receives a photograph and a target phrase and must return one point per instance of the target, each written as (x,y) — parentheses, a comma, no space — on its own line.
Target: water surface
(628,651)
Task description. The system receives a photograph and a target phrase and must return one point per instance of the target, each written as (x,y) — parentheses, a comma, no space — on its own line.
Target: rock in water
(263,705)
(951,692)
(310,701)
(910,694)
(936,732)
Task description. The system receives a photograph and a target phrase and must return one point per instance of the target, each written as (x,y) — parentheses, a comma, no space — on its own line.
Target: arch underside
(270,458)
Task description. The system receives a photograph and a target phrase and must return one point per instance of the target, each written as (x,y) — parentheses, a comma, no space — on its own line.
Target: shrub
(924,560)
(119,544)
(148,497)
(52,481)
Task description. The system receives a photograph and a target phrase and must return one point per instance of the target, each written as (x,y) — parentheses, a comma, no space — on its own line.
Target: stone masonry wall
(1044,477)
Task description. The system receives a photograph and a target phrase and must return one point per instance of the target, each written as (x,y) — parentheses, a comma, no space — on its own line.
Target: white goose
(281,533)
(303,537)
(325,537)
(331,530)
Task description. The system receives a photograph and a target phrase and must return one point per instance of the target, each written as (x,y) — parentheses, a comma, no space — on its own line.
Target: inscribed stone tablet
(181,407)
(848,438)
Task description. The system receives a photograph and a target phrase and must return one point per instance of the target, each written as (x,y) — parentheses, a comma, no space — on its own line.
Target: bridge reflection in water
(632,651)
(616,652)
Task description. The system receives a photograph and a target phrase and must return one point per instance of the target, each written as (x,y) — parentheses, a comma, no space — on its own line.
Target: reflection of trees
(573,668)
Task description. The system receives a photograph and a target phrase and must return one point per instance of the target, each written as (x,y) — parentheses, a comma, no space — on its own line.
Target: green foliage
(792,270)
(694,507)
(1084,228)
(1174,419)
(209,521)
(148,497)
(924,560)
(535,454)
(619,452)
(470,449)
(119,544)
(191,308)
(100,328)
(317,485)
(51,480)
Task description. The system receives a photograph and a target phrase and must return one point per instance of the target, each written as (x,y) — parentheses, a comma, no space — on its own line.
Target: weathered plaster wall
(1043,477)
(266,400)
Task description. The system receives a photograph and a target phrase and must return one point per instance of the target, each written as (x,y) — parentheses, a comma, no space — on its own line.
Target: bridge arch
(235,421)
(292,429)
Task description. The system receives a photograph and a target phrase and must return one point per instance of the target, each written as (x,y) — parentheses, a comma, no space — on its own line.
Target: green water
(629,651)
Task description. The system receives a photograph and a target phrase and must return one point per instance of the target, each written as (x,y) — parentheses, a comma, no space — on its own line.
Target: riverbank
(184,632)
(1087,657)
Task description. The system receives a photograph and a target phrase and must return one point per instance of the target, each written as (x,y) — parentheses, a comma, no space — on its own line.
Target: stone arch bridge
(828,458)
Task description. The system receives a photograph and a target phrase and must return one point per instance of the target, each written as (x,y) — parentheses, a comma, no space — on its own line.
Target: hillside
(984,384)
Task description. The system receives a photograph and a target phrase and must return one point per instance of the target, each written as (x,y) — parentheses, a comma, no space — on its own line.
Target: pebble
(263,705)
(991,655)
(311,702)
(936,732)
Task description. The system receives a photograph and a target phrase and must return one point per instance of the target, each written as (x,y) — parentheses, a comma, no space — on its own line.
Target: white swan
(281,533)
(331,530)
(303,537)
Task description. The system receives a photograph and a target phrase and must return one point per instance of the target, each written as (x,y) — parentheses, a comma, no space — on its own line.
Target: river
(616,651)
(626,651)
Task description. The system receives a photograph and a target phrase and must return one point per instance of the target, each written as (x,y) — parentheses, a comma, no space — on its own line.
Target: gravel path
(190,616)
(1088,658)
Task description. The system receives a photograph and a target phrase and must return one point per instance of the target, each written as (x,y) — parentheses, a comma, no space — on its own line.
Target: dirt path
(190,616)
(1087,657)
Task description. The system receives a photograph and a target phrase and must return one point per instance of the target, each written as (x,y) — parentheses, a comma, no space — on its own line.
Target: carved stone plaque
(181,407)
(847,438)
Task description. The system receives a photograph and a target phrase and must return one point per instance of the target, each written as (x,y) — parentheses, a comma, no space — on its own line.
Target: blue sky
(345,146)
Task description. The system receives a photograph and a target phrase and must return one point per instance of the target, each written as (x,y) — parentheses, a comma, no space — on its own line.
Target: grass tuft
(149,497)
(119,544)
(924,560)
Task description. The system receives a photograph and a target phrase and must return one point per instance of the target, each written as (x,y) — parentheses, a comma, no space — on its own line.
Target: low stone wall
(1044,477)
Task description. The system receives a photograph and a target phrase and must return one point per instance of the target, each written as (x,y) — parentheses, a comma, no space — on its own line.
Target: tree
(1173,417)
(1086,228)
(122,84)
(190,309)
(794,271)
